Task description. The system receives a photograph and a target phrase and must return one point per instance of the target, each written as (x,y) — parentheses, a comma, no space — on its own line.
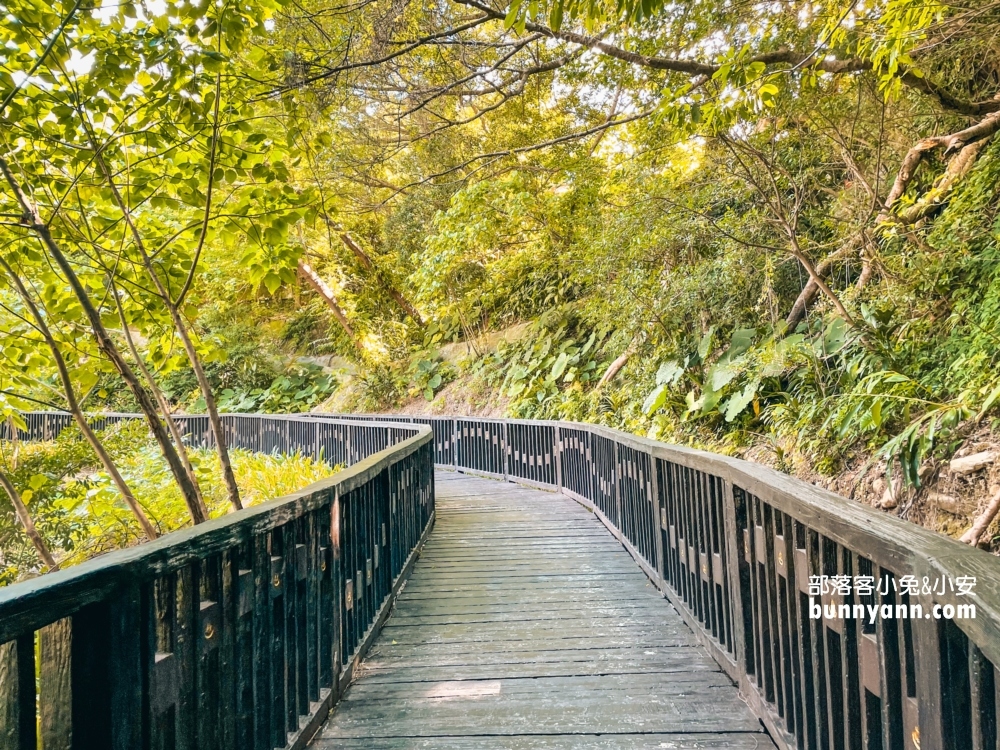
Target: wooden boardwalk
(526,625)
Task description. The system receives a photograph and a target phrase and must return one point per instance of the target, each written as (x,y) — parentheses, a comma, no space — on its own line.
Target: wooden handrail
(734,545)
(240,632)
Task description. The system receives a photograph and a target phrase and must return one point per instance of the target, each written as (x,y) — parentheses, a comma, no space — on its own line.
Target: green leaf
(835,336)
(721,375)
(669,373)
(271,281)
(741,340)
(709,400)
(741,400)
(655,400)
(560,366)
(876,413)
(556,15)
(989,402)
(512,15)
(705,345)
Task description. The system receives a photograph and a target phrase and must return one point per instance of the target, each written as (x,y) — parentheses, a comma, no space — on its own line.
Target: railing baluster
(54,686)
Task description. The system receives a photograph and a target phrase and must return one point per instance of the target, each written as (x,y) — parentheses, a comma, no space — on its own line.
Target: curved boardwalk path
(526,625)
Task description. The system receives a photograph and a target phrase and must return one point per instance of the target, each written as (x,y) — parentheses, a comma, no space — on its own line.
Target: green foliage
(655,193)
(378,389)
(80,514)
(428,374)
(542,370)
(299,389)
(493,256)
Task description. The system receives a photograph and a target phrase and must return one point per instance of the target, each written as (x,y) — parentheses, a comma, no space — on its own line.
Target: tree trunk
(802,302)
(811,289)
(162,401)
(232,489)
(323,290)
(381,277)
(32,220)
(29,526)
(221,446)
(74,405)
(817,278)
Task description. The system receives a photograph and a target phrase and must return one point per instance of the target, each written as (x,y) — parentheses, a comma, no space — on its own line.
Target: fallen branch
(615,367)
(949,143)
(811,288)
(983,521)
(970,143)
(323,290)
(382,278)
(959,166)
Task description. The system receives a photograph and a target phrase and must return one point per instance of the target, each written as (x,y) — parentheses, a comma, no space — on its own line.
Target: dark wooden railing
(247,626)
(238,633)
(733,545)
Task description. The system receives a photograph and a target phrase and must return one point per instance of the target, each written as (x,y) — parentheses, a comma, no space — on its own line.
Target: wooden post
(9,704)
(17,694)
(125,678)
(653,489)
(927,646)
(90,667)
(54,685)
(616,484)
(505,450)
(557,457)
(337,587)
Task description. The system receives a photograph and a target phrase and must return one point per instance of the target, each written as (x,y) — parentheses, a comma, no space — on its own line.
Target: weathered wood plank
(727,741)
(56,703)
(525,624)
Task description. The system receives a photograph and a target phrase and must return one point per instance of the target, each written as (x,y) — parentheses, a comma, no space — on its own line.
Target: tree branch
(780,56)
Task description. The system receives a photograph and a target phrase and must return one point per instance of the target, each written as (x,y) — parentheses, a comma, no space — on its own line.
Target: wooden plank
(10,706)
(125,670)
(56,702)
(17,694)
(727,741)
(524,620)
(89,666)
(186,652)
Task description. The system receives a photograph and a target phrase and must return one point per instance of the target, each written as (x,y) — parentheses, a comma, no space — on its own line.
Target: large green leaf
(705,345)
(721,375)
(655,400)
(560,366)
(669,373)
(741,400)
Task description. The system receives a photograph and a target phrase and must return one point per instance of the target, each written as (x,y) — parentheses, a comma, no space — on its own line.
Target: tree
(470,65)
(122,128)
(40,325)
(20,508)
